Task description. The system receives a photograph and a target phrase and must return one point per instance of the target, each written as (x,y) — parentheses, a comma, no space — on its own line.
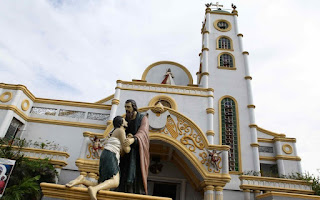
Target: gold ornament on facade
(91,152)
(210,110)
(190,138)
(287,148)
(5,97)
(207,160)
(115,102)
(158,109)
(25,105)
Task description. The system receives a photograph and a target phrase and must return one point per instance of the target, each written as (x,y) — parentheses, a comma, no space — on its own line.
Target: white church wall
(235,195)
(65,136)
(234,183)
(191,106)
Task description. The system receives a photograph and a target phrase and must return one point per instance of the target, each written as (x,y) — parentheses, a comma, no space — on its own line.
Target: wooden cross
(217,5)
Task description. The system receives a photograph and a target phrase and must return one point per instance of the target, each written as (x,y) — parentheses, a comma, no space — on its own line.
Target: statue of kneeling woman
(109,176)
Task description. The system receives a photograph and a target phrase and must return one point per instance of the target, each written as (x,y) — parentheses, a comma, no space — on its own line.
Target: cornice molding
(53,101)
(210,110)
(251,106)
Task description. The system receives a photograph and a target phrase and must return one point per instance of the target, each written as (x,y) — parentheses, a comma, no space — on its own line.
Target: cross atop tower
(217,5)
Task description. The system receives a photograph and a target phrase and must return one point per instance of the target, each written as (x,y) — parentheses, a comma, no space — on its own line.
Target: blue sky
(76,50)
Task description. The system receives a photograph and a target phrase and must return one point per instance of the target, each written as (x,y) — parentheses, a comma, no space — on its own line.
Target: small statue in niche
(168,78)
(96,146)
(214,158)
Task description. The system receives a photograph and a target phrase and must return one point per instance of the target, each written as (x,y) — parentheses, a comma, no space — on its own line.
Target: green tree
(24,183)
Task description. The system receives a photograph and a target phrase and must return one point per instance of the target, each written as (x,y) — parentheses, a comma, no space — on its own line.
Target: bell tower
(224,67)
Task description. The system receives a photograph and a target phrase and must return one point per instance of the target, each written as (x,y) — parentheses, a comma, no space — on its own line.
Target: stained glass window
(229,131)
(226,60)
(224,43)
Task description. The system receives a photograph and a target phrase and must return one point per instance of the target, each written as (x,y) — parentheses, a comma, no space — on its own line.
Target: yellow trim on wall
(25,104)
(50,121)
(238,127)
(233,60)
(144,75)
(53,101)
(224,36)
(254,145)
(240,35)
(287,148)
(280,157)
(248,77)
(204,49)
(115,101)
(251,106)
(106,99)
(62,192)
(215,24)
(284,157)
(210,110)
(268,158)
(222,13)
(167,98)
(166,86)
(210,132)
(289,195)
(43,151)
(3,95)
(245,53)
(293,140)
(227,68)
(271,133)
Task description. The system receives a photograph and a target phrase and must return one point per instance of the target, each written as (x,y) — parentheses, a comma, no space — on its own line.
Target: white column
(246,194)
(115,102)
(208,193)
(296,153)
(225,162)
(219,192)
(84,146)
(205,51)
(210,113)
(280,163)
(251,107)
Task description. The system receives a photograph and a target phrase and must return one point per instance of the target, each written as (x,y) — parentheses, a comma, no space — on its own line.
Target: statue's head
(131,105)
(118,121)
(131,108)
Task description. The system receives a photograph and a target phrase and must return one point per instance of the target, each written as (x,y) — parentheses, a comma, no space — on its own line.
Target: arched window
(226,60)
(229,130)
(224,43)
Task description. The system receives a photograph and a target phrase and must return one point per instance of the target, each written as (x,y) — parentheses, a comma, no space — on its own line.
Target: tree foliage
(27,174)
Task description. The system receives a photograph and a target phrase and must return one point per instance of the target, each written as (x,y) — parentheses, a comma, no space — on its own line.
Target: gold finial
(158,108)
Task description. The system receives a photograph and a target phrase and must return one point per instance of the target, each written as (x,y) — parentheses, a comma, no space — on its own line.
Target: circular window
(222,25)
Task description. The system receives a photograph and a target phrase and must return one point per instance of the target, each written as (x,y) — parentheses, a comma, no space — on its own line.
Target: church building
(204,140)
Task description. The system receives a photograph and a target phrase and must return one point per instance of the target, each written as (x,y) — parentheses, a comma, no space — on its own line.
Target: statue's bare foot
(92,192)
(76,181)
